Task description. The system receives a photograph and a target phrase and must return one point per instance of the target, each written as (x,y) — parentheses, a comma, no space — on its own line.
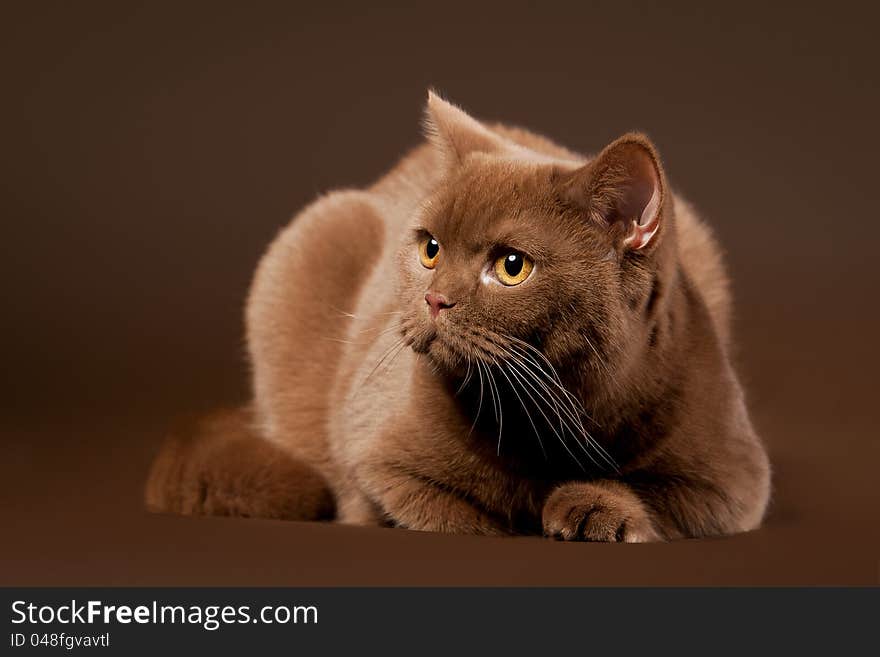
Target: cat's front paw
(598,511)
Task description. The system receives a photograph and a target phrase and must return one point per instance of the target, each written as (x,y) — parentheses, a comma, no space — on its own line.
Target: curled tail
(219,465)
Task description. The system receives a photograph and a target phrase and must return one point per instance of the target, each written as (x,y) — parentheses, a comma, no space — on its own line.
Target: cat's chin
(421,342)
(441,357)
(445,360)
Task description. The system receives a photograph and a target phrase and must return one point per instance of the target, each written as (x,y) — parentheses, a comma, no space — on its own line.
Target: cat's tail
(218,464)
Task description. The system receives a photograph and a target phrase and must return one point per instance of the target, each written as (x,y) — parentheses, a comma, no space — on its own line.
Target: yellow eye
(429,252)
(513,268)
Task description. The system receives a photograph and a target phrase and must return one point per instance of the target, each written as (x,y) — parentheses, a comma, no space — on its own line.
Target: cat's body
(643,435)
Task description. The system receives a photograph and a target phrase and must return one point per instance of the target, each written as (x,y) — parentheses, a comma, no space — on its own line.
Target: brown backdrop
(149,155)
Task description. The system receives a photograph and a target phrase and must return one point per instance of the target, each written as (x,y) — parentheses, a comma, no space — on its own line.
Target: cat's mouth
(454,348)
(442,350)
(450,350)
(421,341)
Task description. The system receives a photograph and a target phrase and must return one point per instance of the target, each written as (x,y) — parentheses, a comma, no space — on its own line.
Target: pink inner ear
(645,228)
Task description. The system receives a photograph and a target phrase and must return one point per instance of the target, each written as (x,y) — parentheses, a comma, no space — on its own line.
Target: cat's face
(495,258)
(517,253)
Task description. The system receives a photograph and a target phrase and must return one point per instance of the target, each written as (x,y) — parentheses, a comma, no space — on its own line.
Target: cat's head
(519,250)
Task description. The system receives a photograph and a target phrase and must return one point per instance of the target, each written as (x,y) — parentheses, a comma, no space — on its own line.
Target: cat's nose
(437,302)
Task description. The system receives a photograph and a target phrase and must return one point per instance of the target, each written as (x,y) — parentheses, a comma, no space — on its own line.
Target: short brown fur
(615,414)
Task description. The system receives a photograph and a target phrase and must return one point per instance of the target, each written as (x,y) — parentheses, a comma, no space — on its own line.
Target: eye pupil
(513,264)
(432,248)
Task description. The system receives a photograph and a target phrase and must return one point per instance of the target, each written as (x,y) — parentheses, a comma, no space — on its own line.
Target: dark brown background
(150,154)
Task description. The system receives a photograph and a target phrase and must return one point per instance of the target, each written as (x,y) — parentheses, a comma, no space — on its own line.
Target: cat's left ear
(624,188)
(456,133)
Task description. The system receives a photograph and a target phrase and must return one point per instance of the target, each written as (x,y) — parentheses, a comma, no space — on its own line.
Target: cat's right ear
(456,133)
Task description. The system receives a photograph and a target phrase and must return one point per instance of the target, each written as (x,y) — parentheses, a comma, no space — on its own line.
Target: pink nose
(437,302)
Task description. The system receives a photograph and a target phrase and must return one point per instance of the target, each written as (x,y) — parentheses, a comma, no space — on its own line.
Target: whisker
(467,376)
(488,353)
(540,382)
(555,378)
(496,406)
(398,344)
(479,365)
(603,366)
(345,313)
(522,403)
(343,341)
(397,353)
(383,331)
(561,436)
(571,411)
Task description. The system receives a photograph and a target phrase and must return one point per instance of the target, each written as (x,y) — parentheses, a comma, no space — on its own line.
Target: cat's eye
(513,268)
(429,251)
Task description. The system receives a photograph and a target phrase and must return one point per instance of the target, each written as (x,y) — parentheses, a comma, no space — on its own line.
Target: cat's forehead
(490,199)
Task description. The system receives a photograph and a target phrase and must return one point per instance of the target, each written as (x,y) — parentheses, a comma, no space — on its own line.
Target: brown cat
(497,337)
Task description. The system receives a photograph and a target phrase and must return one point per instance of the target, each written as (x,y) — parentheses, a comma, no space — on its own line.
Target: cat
(500,336)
